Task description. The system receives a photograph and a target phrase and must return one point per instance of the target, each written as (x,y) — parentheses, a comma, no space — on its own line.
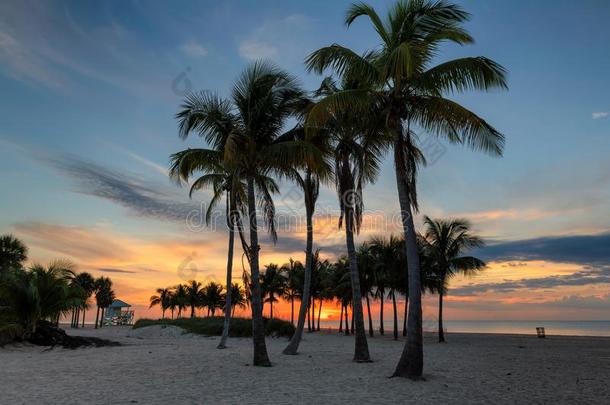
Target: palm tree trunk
(271,309)
(227,320)
(163,313)
(313,313)
(293,346)
(395,315)
(361,349)
(97,317)
(346,322)
(292,310)
(77,318)
(404,319)
(319,314)
(368,309)
(83,317)
(258,329)
(102,318)
(73,315)
(341,319)
(411,361)
(381,329)
(441,332)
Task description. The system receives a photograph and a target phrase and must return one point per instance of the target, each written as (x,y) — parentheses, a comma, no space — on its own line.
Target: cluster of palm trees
(194,296)
(39,293)
(379,102)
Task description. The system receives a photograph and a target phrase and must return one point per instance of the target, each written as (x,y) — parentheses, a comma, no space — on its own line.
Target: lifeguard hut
(119,313)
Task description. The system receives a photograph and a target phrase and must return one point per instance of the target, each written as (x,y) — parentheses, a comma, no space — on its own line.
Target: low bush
(212,326)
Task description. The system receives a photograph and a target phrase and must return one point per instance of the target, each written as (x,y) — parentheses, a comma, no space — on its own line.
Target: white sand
(155,367)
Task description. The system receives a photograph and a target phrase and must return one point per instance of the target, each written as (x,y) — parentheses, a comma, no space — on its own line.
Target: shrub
(212,326)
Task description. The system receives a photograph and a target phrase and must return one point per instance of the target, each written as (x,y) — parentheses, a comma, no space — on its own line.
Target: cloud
(581,249)
(108,270)
(601,114)
(142,199)
(194,49)
(74,241)
(587,276)
(253,50)
(287,38)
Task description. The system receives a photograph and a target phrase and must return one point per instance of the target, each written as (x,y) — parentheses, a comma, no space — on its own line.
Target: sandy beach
(162,366)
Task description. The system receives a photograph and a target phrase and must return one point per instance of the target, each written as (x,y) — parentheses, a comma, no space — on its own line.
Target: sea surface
(567,328)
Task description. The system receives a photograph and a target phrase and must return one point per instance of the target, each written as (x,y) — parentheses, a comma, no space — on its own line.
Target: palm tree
(193,295)
(261,101)
(341,279)
(180,297)
(446,240)
(357,146)
(325,285)
(40,293)
(367,268)
(87,283)
(238,298)
(13,253)
(410,93)
(218,174)
(293,289)
(104,295)
(214,297)
(273,283)
(162,298)
(389,261)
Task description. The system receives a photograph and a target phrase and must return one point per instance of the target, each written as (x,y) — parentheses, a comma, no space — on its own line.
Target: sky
(89,90)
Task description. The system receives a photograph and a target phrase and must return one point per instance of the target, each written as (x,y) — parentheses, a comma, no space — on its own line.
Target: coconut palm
(180,298)
(357,148)
(367,269)
(162,298)
(13,253)
(341,279)
(193,295)
(263,98)
(104,295)
(238,298)
(445,241)
(293,289)
(325,286)
(214,297)
(410,91)
(273,283)
(87,283)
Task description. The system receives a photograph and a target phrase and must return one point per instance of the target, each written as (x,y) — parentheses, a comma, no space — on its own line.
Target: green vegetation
(213,326)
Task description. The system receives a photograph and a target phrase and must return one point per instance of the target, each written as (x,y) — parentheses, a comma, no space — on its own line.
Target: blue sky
(89,91)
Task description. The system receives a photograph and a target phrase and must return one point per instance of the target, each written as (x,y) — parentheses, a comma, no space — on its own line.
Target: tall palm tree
(446,240)
(341,279)
(294,271)
(262,99)
(162,298)
(357,148)
(180,297)
(218,174)
(410,92)
(13,253)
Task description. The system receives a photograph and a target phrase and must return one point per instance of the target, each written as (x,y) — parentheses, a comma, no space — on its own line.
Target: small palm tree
(367,269)
(273,282)
(104,295)
(162,298)
(238,298)
(214,297)
(445,241)
(87,283)
(13,253)
(180,298)
(193,295)
(294,272)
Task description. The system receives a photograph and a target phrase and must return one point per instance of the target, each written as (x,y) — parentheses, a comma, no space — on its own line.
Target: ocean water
(564,328)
